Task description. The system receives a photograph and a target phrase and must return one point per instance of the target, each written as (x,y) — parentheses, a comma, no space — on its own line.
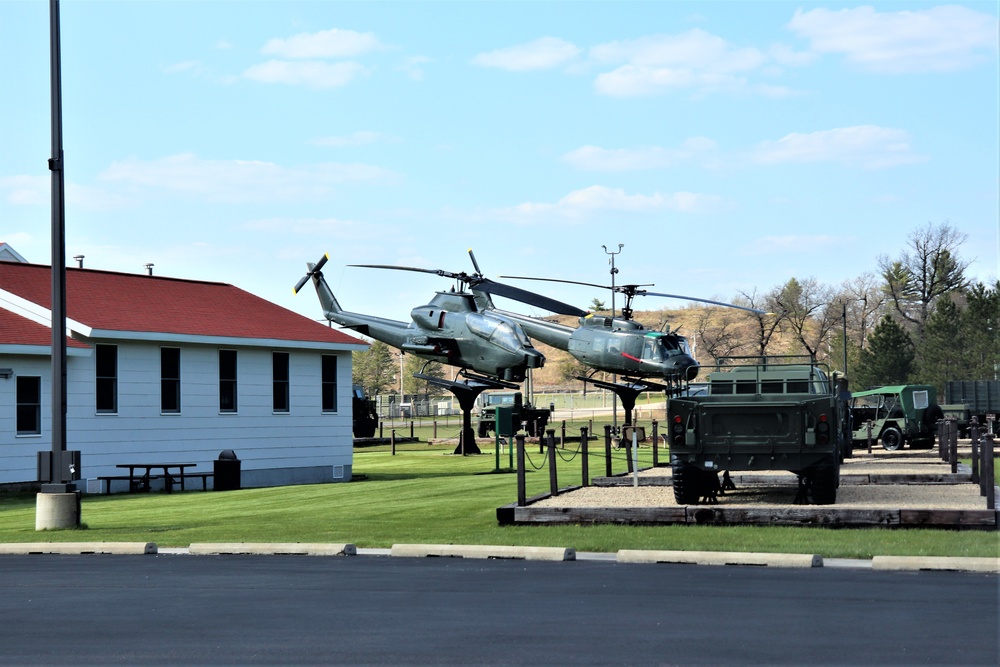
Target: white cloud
(544,53)
(413,67)
(332,43)
(597,199)
(938,39)
(241,180)
(311,73)
(694,60)
(25,190)
(595,158)
(867,146)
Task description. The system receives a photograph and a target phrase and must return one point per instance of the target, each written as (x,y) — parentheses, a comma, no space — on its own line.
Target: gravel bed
(849,496)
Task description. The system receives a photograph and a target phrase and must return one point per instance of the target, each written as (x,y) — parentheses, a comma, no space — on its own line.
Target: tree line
(918,319)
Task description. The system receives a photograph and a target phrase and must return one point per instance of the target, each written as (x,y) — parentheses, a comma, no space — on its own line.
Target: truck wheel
(892,439)
(686,482)
(825,478)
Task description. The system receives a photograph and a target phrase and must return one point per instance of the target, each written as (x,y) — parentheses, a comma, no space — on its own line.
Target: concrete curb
(76,548)
(954,563)
(483,551)
(272,548)
(720,558)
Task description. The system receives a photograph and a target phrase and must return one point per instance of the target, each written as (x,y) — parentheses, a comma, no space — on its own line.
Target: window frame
(105,385)
(173,383)
(19,405)
(328,384)
(228,386)
(281,386)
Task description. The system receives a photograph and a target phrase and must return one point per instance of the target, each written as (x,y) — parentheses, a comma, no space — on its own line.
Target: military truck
(761,413)
(901,415)
(535,418)
(982,397)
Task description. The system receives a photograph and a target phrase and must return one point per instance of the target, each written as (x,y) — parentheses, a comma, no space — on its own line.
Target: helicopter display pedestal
(627,392)
(467,392)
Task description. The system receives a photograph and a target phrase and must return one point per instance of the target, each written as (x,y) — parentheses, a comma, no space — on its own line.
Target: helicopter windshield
(659,348)
(498,331)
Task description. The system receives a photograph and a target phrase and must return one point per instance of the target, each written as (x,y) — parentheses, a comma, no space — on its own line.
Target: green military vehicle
(900,415)
(534,419)
(761,413)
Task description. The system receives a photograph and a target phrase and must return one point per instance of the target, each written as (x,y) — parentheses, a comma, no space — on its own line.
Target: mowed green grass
(425,494)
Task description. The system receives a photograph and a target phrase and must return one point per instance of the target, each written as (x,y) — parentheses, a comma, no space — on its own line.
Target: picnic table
(140,474)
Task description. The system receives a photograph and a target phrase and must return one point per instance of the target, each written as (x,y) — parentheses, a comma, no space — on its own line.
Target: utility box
(505,415)
(227,472)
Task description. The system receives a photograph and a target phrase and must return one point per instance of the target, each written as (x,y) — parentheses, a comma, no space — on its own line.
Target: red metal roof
(140,303)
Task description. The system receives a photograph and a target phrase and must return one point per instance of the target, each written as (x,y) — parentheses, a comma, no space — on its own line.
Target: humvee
(900,414)
(761,413)
(535,419)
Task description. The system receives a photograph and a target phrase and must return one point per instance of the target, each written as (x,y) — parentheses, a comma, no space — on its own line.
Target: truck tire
(825,478)
(892,439)
(687,482)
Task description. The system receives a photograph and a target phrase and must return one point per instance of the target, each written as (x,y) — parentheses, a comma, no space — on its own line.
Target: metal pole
(58,477)
(614,376)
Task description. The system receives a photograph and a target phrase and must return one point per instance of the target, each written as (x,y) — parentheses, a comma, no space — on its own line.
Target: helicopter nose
(534,359)
(684,366)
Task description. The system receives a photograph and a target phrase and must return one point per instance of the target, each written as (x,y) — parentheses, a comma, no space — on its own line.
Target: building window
(29,405)
(227,380)
(170,379)
(279,369)
(107,378)
(329,383)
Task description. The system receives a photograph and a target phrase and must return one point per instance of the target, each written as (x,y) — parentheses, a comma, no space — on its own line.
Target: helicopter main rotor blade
(437,272)
(475,264)
(716,303)
(557,280)
(530,298)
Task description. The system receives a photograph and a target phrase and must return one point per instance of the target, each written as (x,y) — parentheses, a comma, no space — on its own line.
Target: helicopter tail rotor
(314,270)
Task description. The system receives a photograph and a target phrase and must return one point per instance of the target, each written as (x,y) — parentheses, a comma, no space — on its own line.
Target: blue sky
(728,145)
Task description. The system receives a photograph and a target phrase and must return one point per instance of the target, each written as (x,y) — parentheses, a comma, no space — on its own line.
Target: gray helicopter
(451,328)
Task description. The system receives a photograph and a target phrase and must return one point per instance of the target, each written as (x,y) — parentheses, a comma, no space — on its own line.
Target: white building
(169,370)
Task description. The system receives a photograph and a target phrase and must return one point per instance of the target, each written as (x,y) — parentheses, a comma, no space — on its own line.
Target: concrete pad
(127,548)
(720,558)
(483,551)
(956,563)
(272,548)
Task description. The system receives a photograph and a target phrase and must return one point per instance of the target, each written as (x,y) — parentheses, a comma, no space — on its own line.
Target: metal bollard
(553,482)
(953,445)
(585,461)
(521,493)
(656,443)
(607,449)
(974,435)
(869,425)
(392,441)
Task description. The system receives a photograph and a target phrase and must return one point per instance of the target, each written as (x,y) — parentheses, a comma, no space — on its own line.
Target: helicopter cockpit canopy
(498,331)
(659,348)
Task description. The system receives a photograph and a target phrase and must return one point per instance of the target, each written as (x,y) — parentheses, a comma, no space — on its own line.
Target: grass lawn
(426,495)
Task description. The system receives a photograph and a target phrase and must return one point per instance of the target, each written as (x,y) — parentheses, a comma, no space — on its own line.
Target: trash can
(227,471)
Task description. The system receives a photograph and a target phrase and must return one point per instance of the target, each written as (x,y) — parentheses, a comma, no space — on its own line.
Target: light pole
(614,376)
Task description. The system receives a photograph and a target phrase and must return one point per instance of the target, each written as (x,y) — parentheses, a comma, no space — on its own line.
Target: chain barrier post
(869,425)
(585,463)
(392,441)
(953,445)
(607,449)
(553,482)
(656,443)
(974,436)
(988,473)
(521,494)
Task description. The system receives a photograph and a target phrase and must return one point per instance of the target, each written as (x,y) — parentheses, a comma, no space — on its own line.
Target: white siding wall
(263,440)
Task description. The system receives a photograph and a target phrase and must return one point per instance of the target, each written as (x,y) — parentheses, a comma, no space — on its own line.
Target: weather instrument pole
(614,376)
(58,503)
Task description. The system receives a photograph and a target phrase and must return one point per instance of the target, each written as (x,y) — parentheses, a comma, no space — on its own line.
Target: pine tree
(889,357)
(943,351)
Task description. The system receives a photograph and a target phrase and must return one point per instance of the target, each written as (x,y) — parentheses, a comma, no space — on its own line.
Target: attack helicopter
(451,328)
(490,350)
